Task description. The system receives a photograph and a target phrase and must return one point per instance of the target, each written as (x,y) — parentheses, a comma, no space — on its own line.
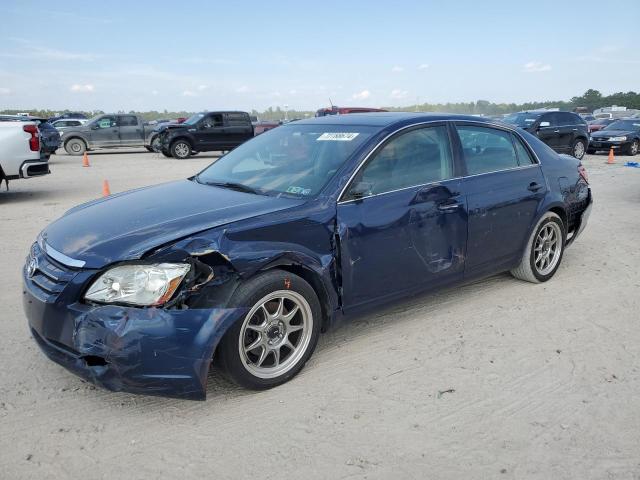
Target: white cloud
(189,93)
(363,95)
(242,89)
(423,66)
(398,94)
(84,88)
(202,87)
(293,92)
(5,91)
(397,68)
(154,92)
(531,67)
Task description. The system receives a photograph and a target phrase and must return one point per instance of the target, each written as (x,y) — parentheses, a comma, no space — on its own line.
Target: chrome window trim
(438,182)
(454,121)
(61,257)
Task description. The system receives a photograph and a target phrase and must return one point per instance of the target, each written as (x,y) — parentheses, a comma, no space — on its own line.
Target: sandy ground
(499,379)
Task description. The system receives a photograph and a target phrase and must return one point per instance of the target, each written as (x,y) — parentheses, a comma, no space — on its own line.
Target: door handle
(534,187)
(449,206)
(575,129)
(556,131)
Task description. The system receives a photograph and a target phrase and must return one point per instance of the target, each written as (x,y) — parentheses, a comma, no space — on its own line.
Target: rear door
(237,129)
(130,130)
(105,132)
(402,222)
(503,186)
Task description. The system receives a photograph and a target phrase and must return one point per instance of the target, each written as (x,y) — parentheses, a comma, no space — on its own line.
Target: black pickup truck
(107,131)
(204,132)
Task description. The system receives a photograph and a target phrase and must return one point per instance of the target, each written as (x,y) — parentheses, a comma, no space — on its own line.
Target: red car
(344,110)
(599,124)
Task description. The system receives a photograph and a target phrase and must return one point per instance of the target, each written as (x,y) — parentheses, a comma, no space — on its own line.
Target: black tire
(527,269)
(633,148)
(75,146)
(149,149)
(249,295)
(578,148)
(180,149)
(165,153)
(194,153)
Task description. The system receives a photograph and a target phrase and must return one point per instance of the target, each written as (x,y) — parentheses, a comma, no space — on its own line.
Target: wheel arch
(314,279)
(76,137)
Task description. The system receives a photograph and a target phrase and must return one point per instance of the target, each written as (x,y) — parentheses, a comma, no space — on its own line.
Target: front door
(503,188)
(402,222)
(209,135)
(105,132)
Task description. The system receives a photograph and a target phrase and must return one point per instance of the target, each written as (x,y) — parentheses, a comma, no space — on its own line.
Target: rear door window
(127,121)
(237,119)
(486,149)
(524,156)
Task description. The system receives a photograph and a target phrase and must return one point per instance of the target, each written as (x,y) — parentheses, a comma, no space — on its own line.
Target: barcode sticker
(337,136)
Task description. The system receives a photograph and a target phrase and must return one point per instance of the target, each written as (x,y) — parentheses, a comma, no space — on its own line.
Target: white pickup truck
(20,155)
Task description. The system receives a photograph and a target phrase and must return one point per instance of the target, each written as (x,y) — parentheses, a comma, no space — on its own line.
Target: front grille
(49,278)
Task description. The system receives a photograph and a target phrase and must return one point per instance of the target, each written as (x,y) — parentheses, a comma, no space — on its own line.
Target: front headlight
(142,285)
(617,139)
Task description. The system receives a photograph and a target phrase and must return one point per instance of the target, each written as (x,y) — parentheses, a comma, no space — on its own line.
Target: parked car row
(21,153)
(568,132)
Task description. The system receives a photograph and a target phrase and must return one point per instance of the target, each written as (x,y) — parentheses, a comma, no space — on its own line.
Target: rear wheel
(180,149)
(75,146)
(273,341)
(544,250)
(578,148)
(149,149)
(633,148)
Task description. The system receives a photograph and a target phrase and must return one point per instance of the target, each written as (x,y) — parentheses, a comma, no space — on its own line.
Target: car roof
(384,119)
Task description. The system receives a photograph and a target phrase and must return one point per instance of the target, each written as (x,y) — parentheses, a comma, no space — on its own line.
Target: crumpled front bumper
(139,350)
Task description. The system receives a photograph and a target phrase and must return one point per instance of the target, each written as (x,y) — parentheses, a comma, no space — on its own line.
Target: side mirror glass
(544,124)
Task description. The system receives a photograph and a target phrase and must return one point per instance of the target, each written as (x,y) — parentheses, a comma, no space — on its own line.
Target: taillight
(583,173)
(34,141)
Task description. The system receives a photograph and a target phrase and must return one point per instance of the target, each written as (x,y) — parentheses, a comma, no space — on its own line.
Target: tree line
(590,100)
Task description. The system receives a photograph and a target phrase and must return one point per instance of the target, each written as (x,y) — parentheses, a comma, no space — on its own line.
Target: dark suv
(205,132)
(565,132)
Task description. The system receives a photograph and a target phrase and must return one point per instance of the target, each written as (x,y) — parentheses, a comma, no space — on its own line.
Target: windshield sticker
(299,190)
(337,136)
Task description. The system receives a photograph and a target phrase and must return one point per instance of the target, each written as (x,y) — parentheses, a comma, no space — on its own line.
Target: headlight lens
(142,285)
(617,139)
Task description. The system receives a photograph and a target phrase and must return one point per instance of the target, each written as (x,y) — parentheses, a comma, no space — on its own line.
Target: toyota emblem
(32,266)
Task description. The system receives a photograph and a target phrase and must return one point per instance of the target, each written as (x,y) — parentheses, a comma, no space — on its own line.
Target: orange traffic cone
(612,158)
(85,160)
(105,188)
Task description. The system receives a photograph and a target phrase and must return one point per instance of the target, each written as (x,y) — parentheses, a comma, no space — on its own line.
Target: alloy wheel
(275,334)
(547,249)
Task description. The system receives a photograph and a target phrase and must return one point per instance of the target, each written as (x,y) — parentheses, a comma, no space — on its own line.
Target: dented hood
(125,226)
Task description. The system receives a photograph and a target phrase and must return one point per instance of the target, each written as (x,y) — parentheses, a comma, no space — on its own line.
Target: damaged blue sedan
(245,263)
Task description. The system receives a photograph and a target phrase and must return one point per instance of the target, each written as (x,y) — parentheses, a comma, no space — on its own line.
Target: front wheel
(633,148)
(149,149)
(180,149)
(544,250)
(578,148)
(274,340)
(75,146)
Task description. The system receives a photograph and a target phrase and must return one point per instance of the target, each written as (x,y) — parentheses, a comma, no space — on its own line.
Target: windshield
(293,160)
(193,119)
(624,125)
(522,120)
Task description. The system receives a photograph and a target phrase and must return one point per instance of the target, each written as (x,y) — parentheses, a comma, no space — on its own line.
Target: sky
(206,55)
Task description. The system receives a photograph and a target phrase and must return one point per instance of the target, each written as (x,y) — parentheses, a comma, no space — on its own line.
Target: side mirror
(544,124)
(360,190)
(95,126)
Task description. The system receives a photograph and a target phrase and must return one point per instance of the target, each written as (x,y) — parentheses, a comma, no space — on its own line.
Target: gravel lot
(498,379)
